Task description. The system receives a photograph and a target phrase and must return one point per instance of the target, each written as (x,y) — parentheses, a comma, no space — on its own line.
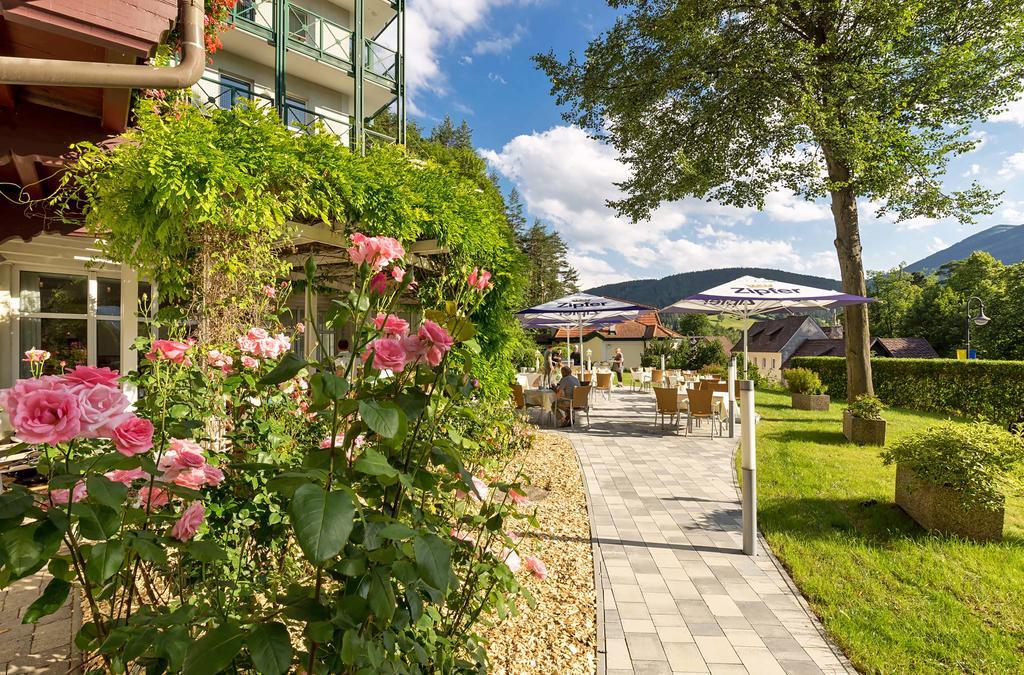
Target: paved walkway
(45,647)
(676,593)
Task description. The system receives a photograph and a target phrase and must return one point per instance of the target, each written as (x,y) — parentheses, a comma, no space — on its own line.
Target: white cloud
(495,77)
(1012,165)
(466,60)
(1014,113)
(567,178)
(500,43)
(1012,212)
(973,171)
(463,108)
(937,245)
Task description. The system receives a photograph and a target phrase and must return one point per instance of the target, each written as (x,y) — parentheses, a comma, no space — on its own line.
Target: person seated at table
(563,391)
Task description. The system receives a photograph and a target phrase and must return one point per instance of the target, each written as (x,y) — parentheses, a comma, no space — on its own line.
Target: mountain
(663,292)
(1004,242)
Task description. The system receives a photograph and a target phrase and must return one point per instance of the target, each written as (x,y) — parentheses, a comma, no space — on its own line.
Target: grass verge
(894,597)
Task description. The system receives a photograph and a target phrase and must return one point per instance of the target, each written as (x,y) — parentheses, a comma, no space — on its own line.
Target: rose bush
(258,511)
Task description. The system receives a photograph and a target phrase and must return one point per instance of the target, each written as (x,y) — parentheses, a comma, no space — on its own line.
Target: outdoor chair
(580,403)
(656,376)
(668,406)
(701,406)
(604,384)
(519,401)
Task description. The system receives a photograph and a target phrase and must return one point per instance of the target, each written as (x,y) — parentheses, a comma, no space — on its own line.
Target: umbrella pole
(745,328)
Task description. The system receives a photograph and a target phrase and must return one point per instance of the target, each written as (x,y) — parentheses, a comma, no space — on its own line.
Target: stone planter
(810,401)
(863,432)
(938,508)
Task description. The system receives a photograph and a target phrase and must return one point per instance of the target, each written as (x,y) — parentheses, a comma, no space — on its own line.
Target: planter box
(810,401)
(938,508)
(863,432)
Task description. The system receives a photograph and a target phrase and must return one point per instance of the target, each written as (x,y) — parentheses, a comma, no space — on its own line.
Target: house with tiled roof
(630,336)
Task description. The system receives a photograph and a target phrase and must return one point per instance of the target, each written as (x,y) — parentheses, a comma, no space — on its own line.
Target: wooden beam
(7,96)
(117,102)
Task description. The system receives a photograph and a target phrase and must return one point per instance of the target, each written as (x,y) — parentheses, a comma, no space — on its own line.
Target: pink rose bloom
(192,479)
(102,410)
(257,334)
(36,355)
(390,324)
(397,273)
(169,350)
(76,494)
(484,281)
(91,376)
(218,359)
(336,442)
(471,280)
(268,348)
(414,348)
(379,283)
(247,344)
(47,416)
(250,362)
(189,523)
(155,497)
(536,566)
(212,475)
(511,558)
(376,252)
(480,488)
(9,398)
(300,328)
(126,476)
(269,291)
(133,436)
(517,497)
(388,354)
(435,335)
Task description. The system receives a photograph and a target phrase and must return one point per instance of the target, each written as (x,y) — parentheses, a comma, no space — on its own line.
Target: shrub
(803,381)
(975,460)
(990,389)
(867,407)
(683,356)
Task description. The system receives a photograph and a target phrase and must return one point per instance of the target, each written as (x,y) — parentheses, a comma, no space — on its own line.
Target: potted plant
(805,388)
(953,477)
(862,421)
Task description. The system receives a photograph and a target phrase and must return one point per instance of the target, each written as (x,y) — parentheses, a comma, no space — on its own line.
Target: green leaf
(179,410)
(433,560)
(384,419)
(270,648)
(397,531)
(105,559)
(98,522)
(381,597)
(21,552)
(105,491)
(205,551)
(287,368)
(215,651)
(53,598)
(13,504)
(322,521)
(148,550)
(372,463)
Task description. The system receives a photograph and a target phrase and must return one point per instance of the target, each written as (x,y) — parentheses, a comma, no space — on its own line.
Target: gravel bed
(559,635)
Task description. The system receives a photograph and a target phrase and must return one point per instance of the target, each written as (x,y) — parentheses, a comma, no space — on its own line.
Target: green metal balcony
(319,38)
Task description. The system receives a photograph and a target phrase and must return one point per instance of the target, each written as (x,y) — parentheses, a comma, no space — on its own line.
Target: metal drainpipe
(17,70)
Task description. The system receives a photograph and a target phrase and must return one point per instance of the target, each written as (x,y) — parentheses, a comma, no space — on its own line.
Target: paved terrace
(675,592)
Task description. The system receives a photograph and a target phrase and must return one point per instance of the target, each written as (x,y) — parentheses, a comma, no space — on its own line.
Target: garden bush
(866,407)
(975,460)
(256,511)
(803,381)
(990,389)
(683,356)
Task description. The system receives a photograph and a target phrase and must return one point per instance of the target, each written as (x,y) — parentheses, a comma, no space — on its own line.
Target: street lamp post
(979,320)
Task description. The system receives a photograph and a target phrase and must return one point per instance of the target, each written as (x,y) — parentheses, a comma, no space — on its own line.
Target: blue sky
(471,59)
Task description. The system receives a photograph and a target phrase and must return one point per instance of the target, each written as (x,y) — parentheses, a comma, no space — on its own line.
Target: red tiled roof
(646,326)
(907,348)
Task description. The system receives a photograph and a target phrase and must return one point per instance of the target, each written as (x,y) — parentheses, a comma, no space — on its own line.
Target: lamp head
(981,319)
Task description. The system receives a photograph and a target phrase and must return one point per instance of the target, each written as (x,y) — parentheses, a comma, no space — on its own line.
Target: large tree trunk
(856,329)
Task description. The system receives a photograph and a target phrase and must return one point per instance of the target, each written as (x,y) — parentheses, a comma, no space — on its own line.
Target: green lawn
(894,597)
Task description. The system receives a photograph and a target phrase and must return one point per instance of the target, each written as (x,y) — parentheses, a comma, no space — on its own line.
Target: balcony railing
(300,118)
(317,37)
(211,92)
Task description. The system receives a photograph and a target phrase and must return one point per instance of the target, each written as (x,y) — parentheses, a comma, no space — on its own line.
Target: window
(75,317)
(296,114)
(233,90)
(773,363)
(246,9)
(301,26)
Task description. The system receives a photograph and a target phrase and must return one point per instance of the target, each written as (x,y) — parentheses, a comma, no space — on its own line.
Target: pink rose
(134,436)
(397,273)
(335,442)
(536,566)
(511,559)
(269,291)
(76,494)
(388,354)
(517,497)
(36,355)
(257,334)
(212,475)
(436,341)
(90,375)
(169,350)
(102,410)
(480,488)
(189,523)
(300,328)
(379,283)
(484,281)
(250,362)
(155,497)
(126,476)
(390,324)
(9,398)
(192,479)
(471,280)
(376,252)
(414,348)
(47,416)
(247,344)
(218,359)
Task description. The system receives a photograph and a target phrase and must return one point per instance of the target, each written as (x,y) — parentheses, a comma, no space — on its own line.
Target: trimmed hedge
(990,389)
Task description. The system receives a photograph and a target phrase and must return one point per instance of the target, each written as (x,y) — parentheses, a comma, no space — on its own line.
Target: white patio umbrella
(749,296)
(578,311)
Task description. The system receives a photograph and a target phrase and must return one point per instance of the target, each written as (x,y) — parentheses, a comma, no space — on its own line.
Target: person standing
(549,365)
(617,363)
(576,358)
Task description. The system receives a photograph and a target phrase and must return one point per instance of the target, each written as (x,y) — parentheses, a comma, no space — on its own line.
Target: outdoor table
(720,399)
(543,398)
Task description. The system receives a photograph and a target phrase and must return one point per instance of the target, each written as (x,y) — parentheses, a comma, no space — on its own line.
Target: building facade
(338,63)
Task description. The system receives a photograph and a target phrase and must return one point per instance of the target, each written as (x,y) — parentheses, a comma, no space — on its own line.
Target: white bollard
(748,449)
(732,398)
